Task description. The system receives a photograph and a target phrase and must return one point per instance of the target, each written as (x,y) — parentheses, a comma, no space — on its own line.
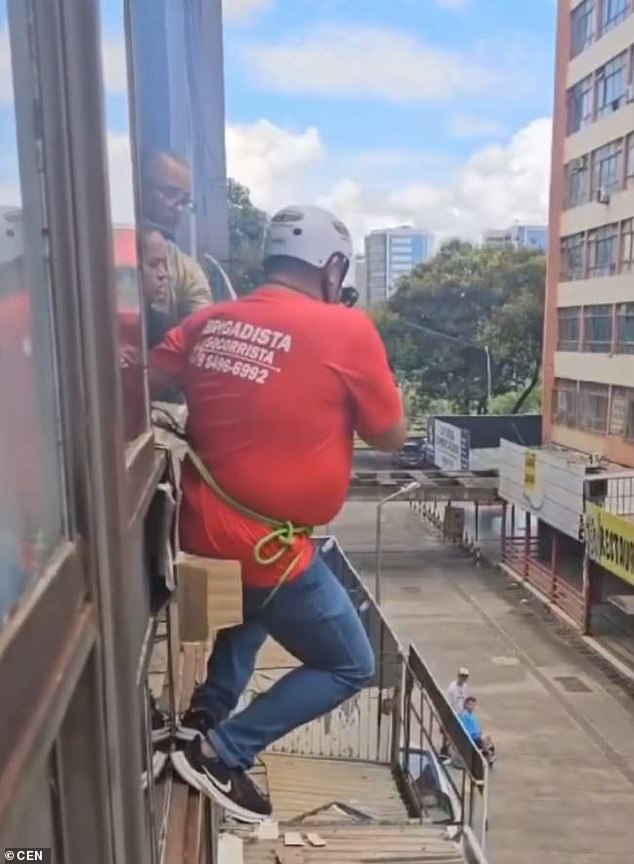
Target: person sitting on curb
(471,723)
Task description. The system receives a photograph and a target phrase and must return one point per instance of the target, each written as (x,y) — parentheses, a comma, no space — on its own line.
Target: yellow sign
(530,471)
(610,541)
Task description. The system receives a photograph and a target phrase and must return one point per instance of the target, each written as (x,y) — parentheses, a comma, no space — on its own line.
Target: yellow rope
(283,533)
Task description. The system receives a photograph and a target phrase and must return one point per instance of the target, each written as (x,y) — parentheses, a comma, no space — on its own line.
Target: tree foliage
(466,298)
(247,227)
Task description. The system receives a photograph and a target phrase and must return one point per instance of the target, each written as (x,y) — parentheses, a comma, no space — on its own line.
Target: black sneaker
(160,724)
(231,788)
(194,723)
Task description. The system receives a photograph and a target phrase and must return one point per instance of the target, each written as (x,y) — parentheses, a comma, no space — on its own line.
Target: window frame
(607,97)
(589,393)
(578,176)
(582,19)
(592,315)
(568,274)
(568,314)
(609,20)
(624,312)
(610,154)
(577,118)
(565,410)
(603,241)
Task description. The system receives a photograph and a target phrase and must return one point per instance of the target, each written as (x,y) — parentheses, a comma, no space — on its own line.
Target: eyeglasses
(175,197)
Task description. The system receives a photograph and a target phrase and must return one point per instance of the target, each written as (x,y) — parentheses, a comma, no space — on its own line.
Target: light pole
(484,348)
(404,490)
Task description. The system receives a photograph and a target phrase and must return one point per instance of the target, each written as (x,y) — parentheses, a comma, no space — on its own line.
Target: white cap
(11,243)
(463,671)
(309,234)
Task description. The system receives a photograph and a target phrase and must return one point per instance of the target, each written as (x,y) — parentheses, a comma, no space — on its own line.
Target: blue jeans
(315,621)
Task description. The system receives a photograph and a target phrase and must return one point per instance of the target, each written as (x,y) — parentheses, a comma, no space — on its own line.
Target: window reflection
(120,174)
(31,497)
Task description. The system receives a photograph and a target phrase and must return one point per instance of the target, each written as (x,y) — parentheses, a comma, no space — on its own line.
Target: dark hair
(470,699)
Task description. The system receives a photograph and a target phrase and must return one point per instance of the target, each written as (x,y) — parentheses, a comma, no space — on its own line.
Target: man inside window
(166,194)
(276,383)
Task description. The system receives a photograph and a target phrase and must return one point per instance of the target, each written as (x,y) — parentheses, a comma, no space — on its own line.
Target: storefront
(544,489)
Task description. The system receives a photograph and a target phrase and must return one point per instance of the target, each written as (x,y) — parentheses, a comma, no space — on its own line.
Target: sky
(435,113)
(432,112)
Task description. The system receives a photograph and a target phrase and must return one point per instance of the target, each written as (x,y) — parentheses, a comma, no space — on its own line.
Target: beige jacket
(188,289)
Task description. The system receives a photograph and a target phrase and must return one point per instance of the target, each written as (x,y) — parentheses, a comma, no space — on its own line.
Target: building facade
(517,237)
(391,254)
(361,280)
(574,497)
(589,345)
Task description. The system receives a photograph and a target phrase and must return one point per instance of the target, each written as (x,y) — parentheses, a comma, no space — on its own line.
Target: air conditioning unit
(603,196)
(629,93)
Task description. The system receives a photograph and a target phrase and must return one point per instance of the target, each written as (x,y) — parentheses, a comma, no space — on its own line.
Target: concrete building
(517,237)
(390,254)
(361,280)
(580,487)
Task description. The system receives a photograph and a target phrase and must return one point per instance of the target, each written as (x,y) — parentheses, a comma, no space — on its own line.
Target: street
(563,788)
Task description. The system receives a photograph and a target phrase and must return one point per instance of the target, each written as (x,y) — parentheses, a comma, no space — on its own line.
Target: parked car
(411,455)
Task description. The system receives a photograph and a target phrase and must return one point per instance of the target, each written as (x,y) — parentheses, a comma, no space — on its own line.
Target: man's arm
(378,404)
(167,362)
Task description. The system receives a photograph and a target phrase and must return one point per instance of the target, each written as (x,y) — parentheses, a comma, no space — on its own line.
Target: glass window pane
(32,518)
(122,207)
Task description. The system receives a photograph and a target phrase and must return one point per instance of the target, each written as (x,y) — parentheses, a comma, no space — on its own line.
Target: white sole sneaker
(203,783)
(159,761)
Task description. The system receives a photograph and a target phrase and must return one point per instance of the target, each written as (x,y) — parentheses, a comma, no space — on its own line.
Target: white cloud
(271,161)
(497,185)
(6,75)
(468,126)
(241,10)
(367,62)
(120,177)
(115,71)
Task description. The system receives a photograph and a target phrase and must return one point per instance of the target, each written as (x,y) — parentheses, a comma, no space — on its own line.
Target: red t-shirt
(276,384)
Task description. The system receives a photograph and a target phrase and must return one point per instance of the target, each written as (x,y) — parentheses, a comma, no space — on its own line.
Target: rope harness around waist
(282,533)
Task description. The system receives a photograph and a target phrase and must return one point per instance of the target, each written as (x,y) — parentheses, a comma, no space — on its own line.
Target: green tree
(447,310)
(247,227)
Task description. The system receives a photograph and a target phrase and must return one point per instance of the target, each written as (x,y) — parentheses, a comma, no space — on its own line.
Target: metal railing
(401,720)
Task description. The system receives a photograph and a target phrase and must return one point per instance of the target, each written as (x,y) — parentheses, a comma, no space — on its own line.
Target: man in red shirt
(277,383)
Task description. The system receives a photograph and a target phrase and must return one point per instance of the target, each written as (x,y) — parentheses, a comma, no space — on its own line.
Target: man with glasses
(166,194)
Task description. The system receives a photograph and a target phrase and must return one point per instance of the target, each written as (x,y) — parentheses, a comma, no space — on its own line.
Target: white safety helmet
(309,234)
(11,241)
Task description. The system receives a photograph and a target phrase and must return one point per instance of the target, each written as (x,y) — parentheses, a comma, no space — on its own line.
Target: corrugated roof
(301,784)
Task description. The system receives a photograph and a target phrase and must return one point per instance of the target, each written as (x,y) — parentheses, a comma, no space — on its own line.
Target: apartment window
(629,164)
(579,105)
(607,167)
(629,416)
(612,13)
(577,182)
(627,246)
(602,250)
(572,257)
(565,403)
(611,82)
(593,407)
(625,328)
(581,19)
(568,328)
(597,329)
